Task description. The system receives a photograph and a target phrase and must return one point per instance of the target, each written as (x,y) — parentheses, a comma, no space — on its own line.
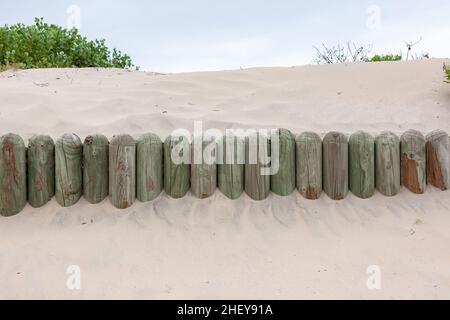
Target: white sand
(282,248)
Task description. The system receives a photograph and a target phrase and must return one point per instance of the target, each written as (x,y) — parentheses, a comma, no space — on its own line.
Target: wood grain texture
(438,159)
(257,151)
(95,168)
(309,165)
(13,185)
(413,161)
(68,169)
(203,174)
(335,165)
(41,170)
(283,182)
(150,161)
(176,175)
(387,163)
(122,171)
(362,164)
(230,169)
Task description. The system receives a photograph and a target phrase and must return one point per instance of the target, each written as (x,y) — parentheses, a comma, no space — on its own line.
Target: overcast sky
(190,35)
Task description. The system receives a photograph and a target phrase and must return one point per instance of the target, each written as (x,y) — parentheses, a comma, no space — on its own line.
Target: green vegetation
(385,57)
(45,45)
(447,71)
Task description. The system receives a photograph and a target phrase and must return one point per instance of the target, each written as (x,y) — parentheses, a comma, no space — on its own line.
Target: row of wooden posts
(124,168)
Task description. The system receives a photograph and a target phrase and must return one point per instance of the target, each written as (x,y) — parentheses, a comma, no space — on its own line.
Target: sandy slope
(216,248)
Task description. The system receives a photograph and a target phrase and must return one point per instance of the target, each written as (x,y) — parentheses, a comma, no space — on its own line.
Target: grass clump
(385,57)
(43,45)
(447,71)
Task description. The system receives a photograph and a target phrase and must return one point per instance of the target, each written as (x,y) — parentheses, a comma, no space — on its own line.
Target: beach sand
(279,248)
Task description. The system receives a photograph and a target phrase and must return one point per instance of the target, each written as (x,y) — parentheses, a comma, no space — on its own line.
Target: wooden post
(177,169)
(13,181)
(257,153)
(438,159)
(122,171)
(309,165)
(413,161)
(335,165)
(95,168)
(68,169)
(282,182)
(387,161)
(41,170)
(150,181)
(203,169)
(231,166)
(362,164)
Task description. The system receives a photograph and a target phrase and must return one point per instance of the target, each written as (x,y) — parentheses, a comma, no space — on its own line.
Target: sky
(199,35)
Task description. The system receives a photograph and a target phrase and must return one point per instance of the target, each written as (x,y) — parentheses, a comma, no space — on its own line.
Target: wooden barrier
(438,159)
(231,168)
(149,162)
(176,175)
(335,165)
(387,153)
(128,169)
(204,174)
(362,164)
(41,170)
(68,169)
(283,182)
(122,171)
(95,168)
(413,161)
(257,151)
(309,165)
(13,180)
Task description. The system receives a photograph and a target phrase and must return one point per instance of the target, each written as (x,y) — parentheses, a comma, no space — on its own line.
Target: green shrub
(385,57)
(447,70)
(45,45)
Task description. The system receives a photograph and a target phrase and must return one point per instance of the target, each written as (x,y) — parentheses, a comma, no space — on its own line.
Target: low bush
(385,57)
(43,45)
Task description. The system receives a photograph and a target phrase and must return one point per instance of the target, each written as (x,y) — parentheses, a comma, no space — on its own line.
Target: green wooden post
(335,165)
(95,168)
(387,161)
(176,166)
(41,170)
(257,153)
(231,152)
(438,159)
(309,165)
(13,180)
(122,171)
(203,169)
(282,183)
(150,161)
(68,169)
(413,161)
(362,164)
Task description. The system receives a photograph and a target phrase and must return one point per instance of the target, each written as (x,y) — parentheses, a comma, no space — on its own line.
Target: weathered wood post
(387,161)
(257,170)
(41,170)
(231,166)
(176,166)
(95,168)
(203,167)
(13,181)
(122,171)
(362,164)
(335,165)
(282,182)
(150,160)
(309,165)
(413,161)
(68,169)
(438,159)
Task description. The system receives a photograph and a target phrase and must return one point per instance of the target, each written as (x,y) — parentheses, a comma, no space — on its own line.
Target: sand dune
(279,248)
